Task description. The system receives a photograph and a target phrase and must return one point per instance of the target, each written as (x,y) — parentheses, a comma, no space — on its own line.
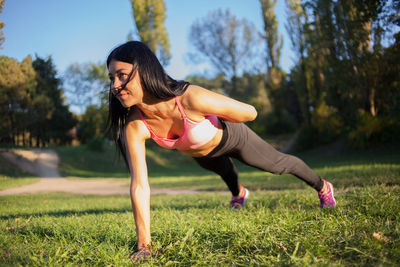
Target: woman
(146,103)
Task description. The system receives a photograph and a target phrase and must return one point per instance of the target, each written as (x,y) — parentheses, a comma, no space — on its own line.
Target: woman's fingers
(141,255)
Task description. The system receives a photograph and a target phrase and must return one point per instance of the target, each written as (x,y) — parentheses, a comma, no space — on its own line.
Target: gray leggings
(240,142)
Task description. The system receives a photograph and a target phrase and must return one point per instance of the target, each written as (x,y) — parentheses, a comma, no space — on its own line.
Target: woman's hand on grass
(141,255)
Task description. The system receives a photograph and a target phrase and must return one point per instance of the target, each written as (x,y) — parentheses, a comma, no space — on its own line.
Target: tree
(340,35)
(92,123)
(297,19)
(25,118)
(16,82)
(86,84)
(355,22)
(347,64)
(274,80)
(31,103)
(149,16)
(54,119)
(273,40)
(1,23)
(227,42)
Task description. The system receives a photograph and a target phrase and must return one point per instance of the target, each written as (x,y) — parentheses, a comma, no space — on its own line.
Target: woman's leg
(224,167)
(249,148)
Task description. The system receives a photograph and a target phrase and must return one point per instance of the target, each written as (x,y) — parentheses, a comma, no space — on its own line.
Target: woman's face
(128,90)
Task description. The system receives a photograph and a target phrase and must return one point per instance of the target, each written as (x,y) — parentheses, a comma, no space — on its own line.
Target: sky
(82,31)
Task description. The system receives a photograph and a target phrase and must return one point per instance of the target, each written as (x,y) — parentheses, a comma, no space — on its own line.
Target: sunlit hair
(153,78)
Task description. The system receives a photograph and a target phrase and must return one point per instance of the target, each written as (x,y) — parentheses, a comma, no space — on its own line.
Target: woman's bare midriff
(206,148)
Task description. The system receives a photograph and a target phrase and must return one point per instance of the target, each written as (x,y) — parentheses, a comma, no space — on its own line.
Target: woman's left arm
(208,102)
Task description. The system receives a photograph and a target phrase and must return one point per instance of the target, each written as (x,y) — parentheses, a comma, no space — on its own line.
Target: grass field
(282,225)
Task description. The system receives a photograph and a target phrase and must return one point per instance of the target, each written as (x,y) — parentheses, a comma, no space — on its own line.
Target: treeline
(347,75)
(344,84)
(32,108)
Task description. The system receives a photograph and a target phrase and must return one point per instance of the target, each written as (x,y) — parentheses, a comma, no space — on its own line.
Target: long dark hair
(153,78)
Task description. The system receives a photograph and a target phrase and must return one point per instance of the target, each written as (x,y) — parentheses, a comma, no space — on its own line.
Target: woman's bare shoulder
(135,128)
(195,90)
(203,100)
(196,97)
(192,101)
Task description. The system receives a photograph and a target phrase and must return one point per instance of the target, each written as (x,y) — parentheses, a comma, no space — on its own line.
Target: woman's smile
(122,95)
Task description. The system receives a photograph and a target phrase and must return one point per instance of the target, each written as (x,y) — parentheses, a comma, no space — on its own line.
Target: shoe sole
(333,194)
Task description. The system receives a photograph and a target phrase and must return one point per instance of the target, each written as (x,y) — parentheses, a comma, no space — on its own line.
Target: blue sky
(79,31)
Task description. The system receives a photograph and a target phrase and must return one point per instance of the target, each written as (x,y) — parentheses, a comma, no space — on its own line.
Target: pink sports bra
(195,134)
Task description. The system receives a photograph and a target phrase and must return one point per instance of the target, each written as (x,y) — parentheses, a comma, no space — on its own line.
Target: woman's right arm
(134,139)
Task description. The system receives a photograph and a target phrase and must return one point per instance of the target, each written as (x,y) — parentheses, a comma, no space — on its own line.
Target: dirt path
(64,185)
(40,162)
(44,163)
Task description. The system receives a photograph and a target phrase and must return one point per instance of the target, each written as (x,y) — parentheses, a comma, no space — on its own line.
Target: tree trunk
(23,137)
(12,128)
(372,107)
(307,114)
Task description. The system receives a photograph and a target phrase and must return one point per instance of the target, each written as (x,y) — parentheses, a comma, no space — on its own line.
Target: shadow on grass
(175,205)
(72,213)
(66,213)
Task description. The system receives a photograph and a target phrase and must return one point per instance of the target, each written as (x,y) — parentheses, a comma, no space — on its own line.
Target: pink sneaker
(326,197)
(239,201)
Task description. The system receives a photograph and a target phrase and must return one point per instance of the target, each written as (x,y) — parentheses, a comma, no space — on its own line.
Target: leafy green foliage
(92,123)
(371,131)
(17,84)
(149,16)
(58,120)
(346,63)
(31,103)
